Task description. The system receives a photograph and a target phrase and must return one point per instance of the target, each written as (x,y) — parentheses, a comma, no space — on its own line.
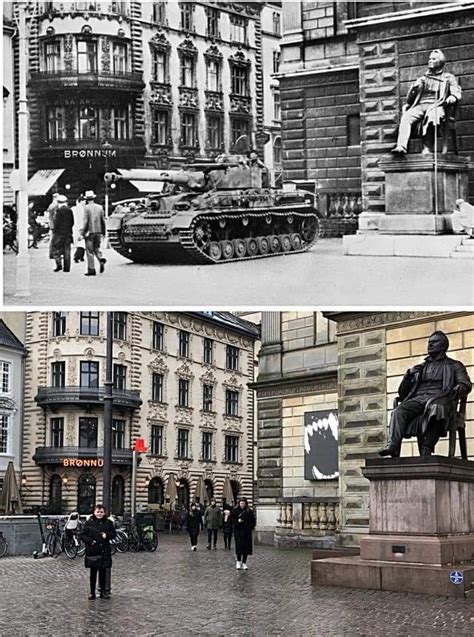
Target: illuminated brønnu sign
(82,462)
(75,154)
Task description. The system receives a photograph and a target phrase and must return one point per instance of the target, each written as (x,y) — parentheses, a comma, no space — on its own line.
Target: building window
(276,61)
(186,16)
(86,56)
(120,120)
(212,23)
(188,66)
(88,122)
(84,6)
(240,80)
(183,443)
(89,374)
(160,130)
(4,433)
(238,29)
(188,129)
(5,368)
(207,398)
(207,445)
(59,323)
(276,23)
(159,12)
(183,392)
(214,131)
(55,495)
(57,432)
(120,325)
(232,357)
(213,75)
(90,323)
(184,344)
(231,449)
(158,66)
(86,488)
(157,382)
(231,402)
(239,127)
(58,374)
(88,432)
(55,129)
(324,330)
(156,443)
(118,495)
(158,336)
(277,151)
(118,434)
(353,130)
(208,351)
(120,377)
(156,492)
(119,58)
(276,106)
(52,56)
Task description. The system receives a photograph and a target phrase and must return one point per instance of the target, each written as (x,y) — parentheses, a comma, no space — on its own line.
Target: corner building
(180,382)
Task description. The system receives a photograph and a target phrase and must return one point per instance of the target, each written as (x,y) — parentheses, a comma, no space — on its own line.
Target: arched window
(156,491)
(235,491)
(85,493)
(55,495)
(277,151)
(183,493)
(209,489)
(118,495)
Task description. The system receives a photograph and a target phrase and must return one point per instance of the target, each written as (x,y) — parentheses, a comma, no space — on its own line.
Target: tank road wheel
(202,234)
(296,241)
(285,242)
(263,245)
(275,245)
(227,249)
(252,247)
(240,249)
(215,250)
(309,229)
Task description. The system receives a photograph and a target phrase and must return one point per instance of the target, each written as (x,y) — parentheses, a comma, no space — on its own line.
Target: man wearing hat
(93,231)
(63,223)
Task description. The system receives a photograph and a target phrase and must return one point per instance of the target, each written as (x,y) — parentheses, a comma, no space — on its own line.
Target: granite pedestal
(421,529)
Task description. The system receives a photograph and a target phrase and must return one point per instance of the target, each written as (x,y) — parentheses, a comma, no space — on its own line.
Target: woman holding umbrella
(244,524)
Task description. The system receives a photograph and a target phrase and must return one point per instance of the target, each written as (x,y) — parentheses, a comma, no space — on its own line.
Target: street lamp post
(23,260)
(108,406)
(106,147)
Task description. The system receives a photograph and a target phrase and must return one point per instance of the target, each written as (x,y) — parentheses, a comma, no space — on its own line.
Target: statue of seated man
(427,98)
(429,393)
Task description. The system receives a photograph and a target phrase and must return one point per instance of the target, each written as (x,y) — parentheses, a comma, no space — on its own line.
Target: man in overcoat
(93,231)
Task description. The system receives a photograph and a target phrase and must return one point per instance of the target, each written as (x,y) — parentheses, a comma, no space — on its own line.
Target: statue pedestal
(417,202)
(421,530)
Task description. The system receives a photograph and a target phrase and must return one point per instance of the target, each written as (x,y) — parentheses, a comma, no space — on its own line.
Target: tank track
(116,244)
(199,255)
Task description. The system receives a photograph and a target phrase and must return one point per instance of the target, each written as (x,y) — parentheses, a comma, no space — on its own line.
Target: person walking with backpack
(96,535)
(244,523)
(194,524)
(212,522)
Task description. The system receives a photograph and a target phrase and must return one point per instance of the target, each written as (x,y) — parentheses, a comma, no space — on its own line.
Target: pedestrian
(33,225)
(227,526)
(244,523)
(79,243)
(194,525)
(93,231)
(212,522)
(52,209)
(62,235)
(96,535)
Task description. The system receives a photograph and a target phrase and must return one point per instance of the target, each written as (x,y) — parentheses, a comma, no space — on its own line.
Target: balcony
(80,456)
(55,396)
(64,80)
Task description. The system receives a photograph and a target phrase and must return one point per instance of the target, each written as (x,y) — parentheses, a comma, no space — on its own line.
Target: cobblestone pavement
(177,592)
(321,276)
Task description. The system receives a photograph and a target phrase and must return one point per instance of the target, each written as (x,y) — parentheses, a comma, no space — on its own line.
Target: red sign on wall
(140,446)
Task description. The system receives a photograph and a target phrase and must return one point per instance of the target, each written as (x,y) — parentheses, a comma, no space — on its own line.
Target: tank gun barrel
(193,179)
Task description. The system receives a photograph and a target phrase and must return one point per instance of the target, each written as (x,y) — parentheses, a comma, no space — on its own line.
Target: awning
(42,181)
(148,186)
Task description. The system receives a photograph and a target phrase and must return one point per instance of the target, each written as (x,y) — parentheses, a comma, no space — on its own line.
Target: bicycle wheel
(113,547)
(51,542)
(3,547)
(81,548)
(122,541)
(69,547)
(134,541)
(150,540)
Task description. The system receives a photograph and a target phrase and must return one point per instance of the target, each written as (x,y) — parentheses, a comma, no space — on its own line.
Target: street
(177,592)
(323,277)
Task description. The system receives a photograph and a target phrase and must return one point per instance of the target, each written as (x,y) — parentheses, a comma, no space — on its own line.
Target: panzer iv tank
(212,213)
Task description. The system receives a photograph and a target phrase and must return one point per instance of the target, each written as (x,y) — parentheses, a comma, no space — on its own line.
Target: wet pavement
(178,592)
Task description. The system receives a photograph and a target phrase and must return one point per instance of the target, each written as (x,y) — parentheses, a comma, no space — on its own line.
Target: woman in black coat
(244,524)
(96,535)
(194,524)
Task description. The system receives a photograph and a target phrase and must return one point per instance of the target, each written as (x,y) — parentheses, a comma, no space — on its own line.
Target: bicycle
(3,545)
(143,537)
(60,540)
